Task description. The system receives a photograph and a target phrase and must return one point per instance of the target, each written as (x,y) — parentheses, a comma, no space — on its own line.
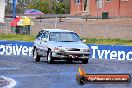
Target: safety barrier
(111,52)
(15,48)
(117,52)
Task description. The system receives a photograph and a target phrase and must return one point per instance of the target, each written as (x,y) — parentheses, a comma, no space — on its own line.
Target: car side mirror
(84,41)
(39,38)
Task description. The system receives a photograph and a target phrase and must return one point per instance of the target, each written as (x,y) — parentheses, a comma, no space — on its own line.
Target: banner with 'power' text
(116,52)
(16,48)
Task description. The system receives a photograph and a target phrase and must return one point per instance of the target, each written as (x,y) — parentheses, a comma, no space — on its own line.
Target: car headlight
(57,49)
(85,50)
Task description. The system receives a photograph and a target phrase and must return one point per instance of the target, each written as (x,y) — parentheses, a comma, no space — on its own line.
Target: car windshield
(64,37)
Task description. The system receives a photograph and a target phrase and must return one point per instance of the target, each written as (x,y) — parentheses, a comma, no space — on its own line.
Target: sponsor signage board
(116,52)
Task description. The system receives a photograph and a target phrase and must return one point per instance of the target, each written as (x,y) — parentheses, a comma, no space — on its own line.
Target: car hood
(69,45)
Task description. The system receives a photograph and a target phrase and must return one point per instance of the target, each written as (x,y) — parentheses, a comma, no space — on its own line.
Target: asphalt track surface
(61,74)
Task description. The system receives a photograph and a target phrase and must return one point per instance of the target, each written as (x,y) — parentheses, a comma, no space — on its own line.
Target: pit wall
(113,52)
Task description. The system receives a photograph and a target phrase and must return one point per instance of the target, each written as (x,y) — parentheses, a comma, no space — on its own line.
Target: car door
(43,44)
(37,41)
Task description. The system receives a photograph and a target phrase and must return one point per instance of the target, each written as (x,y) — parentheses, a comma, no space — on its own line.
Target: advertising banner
(15,48)
(112,52)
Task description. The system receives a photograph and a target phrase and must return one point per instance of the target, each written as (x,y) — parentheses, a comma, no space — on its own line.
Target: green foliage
(7,9)
(46,6)
(50,6)
(13,37)
(108,41)
(19,9)
(59,8)
(40,5)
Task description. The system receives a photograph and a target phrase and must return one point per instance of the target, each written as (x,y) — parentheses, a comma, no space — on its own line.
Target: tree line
(46,6)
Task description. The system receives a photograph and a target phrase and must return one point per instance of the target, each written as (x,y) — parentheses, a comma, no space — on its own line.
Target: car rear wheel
(85,61)
(49,57)
(36,56)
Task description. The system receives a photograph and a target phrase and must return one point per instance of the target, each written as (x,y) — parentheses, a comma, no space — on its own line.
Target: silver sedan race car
(57,44)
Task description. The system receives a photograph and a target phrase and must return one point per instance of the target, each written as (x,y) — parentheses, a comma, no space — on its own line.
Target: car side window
(54,36)
(45,35)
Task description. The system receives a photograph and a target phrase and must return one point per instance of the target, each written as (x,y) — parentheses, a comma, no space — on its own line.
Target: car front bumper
(71,55)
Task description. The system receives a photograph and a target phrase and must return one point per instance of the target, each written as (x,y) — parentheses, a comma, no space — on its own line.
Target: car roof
(56,30)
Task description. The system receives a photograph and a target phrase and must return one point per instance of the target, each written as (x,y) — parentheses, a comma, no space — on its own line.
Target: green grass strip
(28,38)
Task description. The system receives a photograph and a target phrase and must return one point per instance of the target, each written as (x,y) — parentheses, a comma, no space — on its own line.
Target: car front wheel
(36,56)
(49,57)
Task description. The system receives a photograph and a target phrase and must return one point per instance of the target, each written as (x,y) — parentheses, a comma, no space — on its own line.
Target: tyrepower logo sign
(111,52)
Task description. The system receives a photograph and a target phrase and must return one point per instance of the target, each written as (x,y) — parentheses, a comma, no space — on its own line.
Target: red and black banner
(83,78)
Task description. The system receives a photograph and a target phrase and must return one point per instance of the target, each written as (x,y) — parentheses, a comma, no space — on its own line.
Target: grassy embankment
(13,37)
